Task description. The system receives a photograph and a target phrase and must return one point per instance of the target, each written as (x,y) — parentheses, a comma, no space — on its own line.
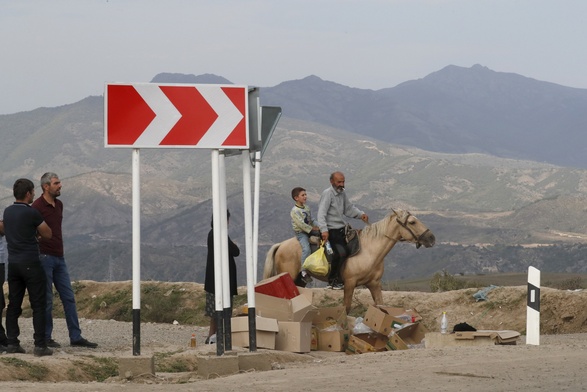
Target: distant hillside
(454,110)
(489,214)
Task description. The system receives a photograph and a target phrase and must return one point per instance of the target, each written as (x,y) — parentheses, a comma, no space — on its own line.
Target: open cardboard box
(331,326)
(294,318)
(281,309)
(380,321)
(410,334)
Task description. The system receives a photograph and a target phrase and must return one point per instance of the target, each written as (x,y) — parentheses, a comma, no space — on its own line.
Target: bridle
(405,226)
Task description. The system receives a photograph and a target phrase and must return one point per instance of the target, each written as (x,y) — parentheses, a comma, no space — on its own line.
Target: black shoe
(42,351)
(306,277)
(2,348)
(15,349)
(335,285)
(84,343)
(53,343)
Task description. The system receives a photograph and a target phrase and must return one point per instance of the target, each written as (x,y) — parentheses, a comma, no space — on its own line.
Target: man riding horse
(333,205)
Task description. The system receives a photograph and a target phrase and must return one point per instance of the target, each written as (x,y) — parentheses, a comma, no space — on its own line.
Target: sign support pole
(533,308)
(217,251)
(256,211)
(246,154)
(225,271)
(136,252)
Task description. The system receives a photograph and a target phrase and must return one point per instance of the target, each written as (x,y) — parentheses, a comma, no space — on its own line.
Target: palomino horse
(366,267)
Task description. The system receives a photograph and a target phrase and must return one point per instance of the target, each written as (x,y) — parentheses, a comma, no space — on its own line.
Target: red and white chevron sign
(152,115)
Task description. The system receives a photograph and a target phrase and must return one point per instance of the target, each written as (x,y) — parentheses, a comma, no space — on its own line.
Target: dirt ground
(557,363)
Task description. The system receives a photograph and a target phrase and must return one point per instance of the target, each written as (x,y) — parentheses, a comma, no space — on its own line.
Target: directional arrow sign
(148,115)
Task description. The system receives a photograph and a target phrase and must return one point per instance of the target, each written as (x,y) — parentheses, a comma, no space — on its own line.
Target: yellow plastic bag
(317,263)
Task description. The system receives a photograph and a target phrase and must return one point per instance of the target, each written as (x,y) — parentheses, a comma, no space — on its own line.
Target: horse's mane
(377,229)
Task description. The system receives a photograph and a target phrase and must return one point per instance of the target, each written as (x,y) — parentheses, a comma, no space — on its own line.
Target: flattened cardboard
(267,329)
(280,286)
(368,342)
(500,337)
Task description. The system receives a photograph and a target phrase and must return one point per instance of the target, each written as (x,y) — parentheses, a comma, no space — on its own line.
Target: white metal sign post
(136,251)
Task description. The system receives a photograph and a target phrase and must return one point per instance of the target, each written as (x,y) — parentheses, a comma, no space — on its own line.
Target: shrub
(445,282)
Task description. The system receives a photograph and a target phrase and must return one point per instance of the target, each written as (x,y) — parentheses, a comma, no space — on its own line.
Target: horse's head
(413,230)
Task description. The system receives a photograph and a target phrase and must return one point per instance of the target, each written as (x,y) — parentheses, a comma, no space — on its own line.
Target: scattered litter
(481,295)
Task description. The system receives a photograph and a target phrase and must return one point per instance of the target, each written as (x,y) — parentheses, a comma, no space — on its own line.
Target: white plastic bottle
(444,323)
(328,248)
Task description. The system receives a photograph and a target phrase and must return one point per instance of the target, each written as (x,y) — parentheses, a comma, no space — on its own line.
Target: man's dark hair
(296,191)
(21,187)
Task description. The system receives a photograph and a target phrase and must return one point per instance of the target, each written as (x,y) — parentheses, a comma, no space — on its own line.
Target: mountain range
(492,162)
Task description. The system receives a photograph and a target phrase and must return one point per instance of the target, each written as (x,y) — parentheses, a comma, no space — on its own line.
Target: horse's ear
(402,215)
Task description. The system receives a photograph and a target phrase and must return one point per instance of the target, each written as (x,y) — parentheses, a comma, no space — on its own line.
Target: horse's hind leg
(375,289)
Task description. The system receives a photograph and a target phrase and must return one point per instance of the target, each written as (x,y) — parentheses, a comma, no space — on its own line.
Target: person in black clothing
(22,226)
(209,287)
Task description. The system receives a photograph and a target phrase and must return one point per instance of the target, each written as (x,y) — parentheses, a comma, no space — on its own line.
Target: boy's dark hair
(296,191)
(21,187)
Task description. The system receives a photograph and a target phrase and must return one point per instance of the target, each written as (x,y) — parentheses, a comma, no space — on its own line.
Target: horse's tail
(269,269)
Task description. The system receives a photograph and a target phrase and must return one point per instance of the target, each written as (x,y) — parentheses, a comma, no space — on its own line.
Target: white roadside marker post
(533,307)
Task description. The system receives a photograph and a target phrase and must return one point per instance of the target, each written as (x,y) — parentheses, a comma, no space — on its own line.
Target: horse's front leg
(375,289)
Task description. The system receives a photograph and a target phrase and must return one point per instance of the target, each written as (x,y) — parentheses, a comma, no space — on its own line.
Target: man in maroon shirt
(54,265)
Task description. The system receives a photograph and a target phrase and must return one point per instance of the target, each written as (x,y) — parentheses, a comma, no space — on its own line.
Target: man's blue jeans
(58,275)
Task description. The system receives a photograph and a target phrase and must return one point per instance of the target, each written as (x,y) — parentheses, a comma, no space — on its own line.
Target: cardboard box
(280,286)
(379,321)
(314,339)
(396,343)
(409,335)
(295,309)
(333,340)
(294,337)
(385,319)
(368,342)
(331,328)
(408,315)
(412,334)
(294,318)
(267,329)
(325,317)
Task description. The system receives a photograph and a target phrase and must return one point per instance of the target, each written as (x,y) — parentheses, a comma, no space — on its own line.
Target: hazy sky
(56,52)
